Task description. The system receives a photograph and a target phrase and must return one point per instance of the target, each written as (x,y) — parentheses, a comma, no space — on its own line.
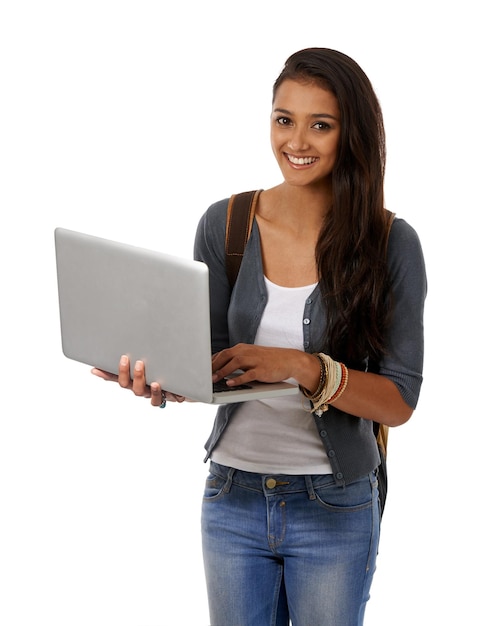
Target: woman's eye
(283,121)
(321,125)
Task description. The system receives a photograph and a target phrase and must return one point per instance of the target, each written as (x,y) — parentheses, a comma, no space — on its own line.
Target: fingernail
(124,360)
(138,365)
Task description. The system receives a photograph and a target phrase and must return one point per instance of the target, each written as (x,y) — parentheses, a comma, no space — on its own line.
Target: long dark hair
(350,251)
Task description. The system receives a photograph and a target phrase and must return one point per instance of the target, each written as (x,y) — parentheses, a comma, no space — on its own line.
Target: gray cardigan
(235,317)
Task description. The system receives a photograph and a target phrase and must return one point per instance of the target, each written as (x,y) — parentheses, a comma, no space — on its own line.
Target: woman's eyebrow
(313,115)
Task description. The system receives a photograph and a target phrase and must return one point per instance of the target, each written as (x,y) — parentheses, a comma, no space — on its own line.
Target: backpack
(239,220)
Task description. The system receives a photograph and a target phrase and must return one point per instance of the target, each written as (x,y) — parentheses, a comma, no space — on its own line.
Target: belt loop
(229,480)
(310,487)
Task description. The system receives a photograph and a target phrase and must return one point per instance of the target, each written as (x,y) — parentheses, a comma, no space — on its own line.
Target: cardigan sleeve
(403,362)
(209,247)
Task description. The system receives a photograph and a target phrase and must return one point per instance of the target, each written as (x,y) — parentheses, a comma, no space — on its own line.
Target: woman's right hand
(137,384)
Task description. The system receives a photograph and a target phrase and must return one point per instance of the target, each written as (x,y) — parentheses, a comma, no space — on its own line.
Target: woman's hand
(265,364)
(137,384)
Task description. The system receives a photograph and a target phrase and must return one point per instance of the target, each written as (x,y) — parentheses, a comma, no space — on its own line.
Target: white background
(127,119)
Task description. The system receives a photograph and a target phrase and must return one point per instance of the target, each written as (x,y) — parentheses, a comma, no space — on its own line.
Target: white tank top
(276,436)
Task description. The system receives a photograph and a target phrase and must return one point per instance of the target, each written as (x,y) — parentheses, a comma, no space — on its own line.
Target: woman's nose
(297,140)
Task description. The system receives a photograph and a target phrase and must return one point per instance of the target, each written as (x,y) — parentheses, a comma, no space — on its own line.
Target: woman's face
(305,131)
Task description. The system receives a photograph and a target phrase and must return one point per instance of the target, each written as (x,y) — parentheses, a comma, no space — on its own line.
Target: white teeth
(300,160)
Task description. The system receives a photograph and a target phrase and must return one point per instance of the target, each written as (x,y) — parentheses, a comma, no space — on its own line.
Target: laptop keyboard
(222,386)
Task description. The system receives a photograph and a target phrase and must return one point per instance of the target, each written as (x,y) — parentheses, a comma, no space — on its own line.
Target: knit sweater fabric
(235,316)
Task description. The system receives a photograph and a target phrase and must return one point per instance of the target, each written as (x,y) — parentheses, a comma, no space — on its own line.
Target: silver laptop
(117,299)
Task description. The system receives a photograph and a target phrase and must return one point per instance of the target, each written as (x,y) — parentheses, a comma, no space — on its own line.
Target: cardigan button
(306,321)
(339,475)
(323,433)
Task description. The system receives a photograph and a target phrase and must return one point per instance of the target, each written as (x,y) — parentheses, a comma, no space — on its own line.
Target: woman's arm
(367,395)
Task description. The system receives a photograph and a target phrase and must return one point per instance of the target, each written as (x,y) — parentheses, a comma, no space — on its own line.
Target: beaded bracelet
(333,382)
(342,385)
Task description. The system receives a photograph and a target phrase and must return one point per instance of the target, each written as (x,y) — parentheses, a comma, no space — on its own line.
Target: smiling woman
(329,298)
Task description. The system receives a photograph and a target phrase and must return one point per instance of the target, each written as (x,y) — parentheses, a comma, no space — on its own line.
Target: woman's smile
(301,161)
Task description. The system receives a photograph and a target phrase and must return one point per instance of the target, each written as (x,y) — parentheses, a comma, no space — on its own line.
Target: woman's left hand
(265,364)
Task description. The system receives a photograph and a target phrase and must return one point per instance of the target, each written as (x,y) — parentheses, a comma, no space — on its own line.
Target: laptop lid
(117,299)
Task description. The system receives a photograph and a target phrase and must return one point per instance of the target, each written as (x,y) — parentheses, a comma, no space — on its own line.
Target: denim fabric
(288,549)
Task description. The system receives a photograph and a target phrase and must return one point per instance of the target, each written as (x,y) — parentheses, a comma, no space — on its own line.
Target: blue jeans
(288,549)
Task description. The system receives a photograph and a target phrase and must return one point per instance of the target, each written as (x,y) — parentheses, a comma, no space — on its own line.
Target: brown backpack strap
(239,220)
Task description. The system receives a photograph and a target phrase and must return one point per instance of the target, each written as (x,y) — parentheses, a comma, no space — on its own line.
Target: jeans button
(270,483)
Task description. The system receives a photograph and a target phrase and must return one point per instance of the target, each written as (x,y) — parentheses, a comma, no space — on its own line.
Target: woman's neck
(301,208)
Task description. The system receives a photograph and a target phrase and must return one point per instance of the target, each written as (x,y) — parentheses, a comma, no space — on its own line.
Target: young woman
(291,515)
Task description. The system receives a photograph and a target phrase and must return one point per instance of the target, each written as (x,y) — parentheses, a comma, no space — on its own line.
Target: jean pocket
(214,487)
(356,496)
